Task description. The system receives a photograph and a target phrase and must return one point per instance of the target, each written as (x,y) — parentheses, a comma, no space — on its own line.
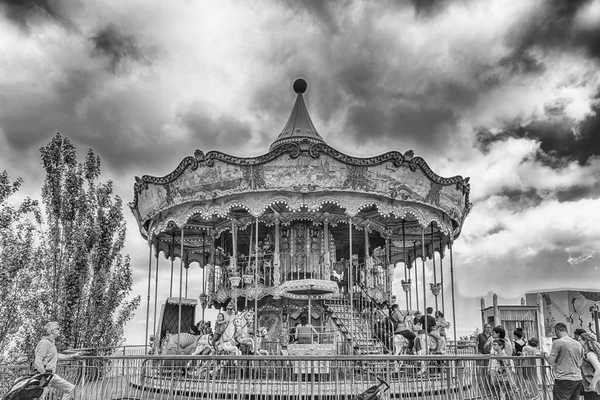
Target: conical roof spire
(299,126)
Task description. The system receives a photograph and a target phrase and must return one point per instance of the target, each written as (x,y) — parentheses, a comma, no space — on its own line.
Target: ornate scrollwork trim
(295,150)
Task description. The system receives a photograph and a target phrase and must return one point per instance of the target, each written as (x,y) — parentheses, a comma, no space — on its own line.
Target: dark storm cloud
(423,122)
(427,7)
(521,198)
(561,140)
(554,28)
(522,62)
(25,12)
(576,193)
(495,229)
(321,11)
(116,47)
(224,133)
(29,125)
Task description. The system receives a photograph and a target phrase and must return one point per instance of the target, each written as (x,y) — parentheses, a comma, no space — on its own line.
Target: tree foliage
(20,261)
(79,270)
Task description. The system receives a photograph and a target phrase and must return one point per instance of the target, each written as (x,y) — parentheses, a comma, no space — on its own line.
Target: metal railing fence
(306,377)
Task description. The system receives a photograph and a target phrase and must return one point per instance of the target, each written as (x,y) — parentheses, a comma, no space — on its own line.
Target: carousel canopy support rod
(172,261)
(424,288)
(148,303)
(406,278)
(180,288)
(256,280)
(351,285)
(452,289)
(416,274)
(433,259)
(156,337)
(187,270)
(442,277)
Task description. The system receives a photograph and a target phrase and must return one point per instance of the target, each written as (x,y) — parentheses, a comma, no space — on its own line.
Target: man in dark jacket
(482,339)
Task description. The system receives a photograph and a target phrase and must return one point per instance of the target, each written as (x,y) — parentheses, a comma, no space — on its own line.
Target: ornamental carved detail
(356,176)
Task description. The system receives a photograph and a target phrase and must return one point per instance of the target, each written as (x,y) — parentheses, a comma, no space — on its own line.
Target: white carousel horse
(242,336)
(425,344)
(227,344)
(401,345)
(203,347)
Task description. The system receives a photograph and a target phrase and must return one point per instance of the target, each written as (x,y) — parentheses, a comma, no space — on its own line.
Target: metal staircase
(355,329)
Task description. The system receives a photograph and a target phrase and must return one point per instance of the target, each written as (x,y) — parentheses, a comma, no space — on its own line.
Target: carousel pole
(249,265)
(203,269)
(149,291)
(406,278)
(327,258)
(388,261)
(172,262)
(180,287)
(452,287)
(442,278)
(156,287)
(434,273)
(256,280)
(416,274)
(410,289)
(234,265)
(423,255)
(187,271)
(276,258)
(351,285)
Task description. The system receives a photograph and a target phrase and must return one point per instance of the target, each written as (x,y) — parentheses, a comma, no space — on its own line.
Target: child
(501,371)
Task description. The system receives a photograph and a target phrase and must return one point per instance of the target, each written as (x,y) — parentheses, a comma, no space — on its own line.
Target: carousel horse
(226,343)
(425,344)
(203,347)
(242,336)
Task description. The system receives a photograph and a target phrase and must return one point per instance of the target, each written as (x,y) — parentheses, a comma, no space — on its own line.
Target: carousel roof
(299,125)
(301,177)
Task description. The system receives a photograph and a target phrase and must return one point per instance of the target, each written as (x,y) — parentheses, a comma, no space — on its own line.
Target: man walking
(46,358)
(566,355)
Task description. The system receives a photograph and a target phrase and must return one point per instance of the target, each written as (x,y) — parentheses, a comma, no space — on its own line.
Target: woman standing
(590,367)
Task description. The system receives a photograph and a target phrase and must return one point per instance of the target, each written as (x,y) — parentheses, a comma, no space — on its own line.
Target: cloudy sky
(504,92)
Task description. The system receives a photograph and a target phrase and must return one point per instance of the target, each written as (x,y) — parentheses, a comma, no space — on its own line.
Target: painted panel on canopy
(301,174)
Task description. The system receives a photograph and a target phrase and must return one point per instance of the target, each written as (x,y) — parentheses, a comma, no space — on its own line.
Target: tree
(68,267)
(89,280)
(20,267)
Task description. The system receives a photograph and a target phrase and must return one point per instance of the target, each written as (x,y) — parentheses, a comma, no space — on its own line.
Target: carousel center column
(276,272)
(326,257)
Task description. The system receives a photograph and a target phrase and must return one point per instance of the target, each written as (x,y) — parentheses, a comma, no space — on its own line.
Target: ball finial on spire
(300,85)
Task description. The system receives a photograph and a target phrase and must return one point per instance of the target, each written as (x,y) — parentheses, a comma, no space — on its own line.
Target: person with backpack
(46,358)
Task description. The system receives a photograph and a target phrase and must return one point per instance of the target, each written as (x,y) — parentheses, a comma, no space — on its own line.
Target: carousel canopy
(302,178)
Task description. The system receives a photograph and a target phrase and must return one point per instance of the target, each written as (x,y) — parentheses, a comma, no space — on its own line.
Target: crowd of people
(575,361)
(411,326)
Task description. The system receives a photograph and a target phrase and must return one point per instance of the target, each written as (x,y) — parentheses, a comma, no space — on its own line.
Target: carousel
(302,242)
